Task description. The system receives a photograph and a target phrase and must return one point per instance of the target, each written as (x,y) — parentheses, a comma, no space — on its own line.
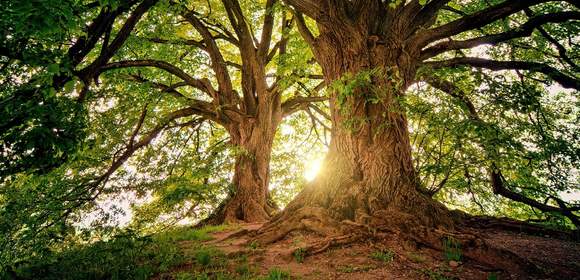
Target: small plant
(203,257)
(253,245)
(436,275)
(278,274)
(187,233)
(451,249)
(346,269)
(184,276)
(385,256)
(202,276)
(416,257)
(243,269)
(298,240)
(492,276)
(223,276)
(350,269)
(299,255)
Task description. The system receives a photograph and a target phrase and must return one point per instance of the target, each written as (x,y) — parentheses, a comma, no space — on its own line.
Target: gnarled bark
(250,201)
(368,183)
(368,172)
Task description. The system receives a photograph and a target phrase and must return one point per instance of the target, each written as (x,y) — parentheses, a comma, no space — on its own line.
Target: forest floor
(227,257)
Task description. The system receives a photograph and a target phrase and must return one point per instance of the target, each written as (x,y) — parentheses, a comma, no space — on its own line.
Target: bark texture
(368,186)
(251,116)
(250,201)
(368,171)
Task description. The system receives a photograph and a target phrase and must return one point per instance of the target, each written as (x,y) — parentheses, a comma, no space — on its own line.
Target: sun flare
(312,168)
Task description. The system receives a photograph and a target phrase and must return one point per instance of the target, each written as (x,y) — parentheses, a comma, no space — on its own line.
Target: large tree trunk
(368,187)
(368,171)
(252,140)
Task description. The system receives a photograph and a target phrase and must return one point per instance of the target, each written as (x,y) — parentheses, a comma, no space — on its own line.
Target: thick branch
(304,31)
(474,21)
(201,84)
(267,28)
(428,13)
(119,40)
(299,102)
(494,65)
(95,31)
(523,31)
(218,63)
(311,8)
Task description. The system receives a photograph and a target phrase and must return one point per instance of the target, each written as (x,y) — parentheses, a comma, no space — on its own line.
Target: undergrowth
(125,256)
(385,256)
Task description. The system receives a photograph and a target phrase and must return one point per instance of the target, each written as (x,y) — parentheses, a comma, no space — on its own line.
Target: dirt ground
(558,259)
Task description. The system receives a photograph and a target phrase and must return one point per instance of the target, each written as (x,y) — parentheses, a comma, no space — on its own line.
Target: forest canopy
(137,116)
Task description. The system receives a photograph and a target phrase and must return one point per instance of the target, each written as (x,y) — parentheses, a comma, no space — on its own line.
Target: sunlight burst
(312,168)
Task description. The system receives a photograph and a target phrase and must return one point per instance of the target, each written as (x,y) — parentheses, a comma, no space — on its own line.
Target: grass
(254,245)
(346,269)
(299,255)
(492,276)
(436,274)
(414,257)
(203,257)
(451,249)
(186,233)
(126,256)
(385,256)
(184,276)
(277,274)
(134,257)
(244,269)
(350,268)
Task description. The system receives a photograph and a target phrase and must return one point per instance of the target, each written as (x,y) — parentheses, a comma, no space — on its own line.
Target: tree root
(388,225)
(235,210)
(313,219)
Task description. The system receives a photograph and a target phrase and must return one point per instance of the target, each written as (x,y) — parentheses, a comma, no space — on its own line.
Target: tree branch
(473,21)
(311,8)
(267,29)
(202,84)
(299,102)
(494,65)
(426,16)
(218,63)
(493,170)
(524,30)
(92,70)
(304,31)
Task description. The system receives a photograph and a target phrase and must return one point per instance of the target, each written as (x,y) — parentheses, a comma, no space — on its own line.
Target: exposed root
(237,210)
(323,245)
(386,225)
(314,219)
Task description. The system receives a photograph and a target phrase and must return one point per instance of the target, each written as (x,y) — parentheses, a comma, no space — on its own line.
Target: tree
(249,111)
(371,52)
(245,94)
